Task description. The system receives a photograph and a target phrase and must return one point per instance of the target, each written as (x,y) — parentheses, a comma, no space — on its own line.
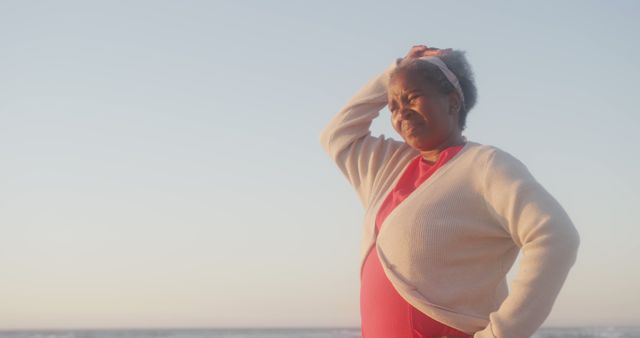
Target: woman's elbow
(574,242)
(568,242)
(325,139)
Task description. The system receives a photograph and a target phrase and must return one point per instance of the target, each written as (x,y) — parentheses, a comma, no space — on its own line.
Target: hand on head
(422,50)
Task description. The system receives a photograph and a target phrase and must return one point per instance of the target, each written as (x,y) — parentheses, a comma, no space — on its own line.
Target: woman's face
(419,113)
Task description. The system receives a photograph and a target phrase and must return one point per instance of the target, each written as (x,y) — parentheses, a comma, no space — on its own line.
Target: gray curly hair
(457,62)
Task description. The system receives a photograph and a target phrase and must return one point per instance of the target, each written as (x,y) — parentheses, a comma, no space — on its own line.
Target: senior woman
(445,217)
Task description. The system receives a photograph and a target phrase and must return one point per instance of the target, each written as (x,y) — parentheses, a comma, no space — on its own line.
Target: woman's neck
(431,155)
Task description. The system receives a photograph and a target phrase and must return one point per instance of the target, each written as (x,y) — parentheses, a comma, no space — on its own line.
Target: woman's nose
(405,112)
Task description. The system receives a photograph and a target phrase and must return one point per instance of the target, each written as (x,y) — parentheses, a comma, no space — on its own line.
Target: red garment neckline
(442,155)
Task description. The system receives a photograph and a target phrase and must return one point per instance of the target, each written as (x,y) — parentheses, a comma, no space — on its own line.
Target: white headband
(448,73)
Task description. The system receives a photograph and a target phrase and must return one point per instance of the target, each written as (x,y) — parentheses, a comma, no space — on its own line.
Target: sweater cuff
(387,72)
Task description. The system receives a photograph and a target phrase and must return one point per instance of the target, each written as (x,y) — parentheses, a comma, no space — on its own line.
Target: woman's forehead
(404,83)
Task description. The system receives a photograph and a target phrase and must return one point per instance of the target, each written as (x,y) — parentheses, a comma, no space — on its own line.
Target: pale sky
(160,163)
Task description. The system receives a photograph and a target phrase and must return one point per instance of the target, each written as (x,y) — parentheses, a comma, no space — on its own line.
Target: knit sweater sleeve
(541,228)
(348,141)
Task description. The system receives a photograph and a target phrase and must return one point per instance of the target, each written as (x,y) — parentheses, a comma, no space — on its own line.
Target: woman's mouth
(412,127)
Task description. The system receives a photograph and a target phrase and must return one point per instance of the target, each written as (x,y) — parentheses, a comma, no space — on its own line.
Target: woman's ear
(454,103)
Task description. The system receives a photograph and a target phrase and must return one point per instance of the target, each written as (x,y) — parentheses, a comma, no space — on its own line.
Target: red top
(384,312)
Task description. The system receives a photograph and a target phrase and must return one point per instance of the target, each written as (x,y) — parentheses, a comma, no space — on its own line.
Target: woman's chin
(420,144)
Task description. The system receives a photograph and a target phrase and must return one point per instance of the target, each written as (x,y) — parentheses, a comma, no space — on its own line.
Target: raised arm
(545,234)
(347,138)
(348,141)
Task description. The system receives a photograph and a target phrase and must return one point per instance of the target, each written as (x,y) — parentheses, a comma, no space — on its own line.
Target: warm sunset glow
(160,163)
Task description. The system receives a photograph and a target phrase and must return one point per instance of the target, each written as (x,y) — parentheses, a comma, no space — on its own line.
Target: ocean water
(576,332)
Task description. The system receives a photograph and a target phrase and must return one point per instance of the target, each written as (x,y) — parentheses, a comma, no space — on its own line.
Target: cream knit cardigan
(448,247)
